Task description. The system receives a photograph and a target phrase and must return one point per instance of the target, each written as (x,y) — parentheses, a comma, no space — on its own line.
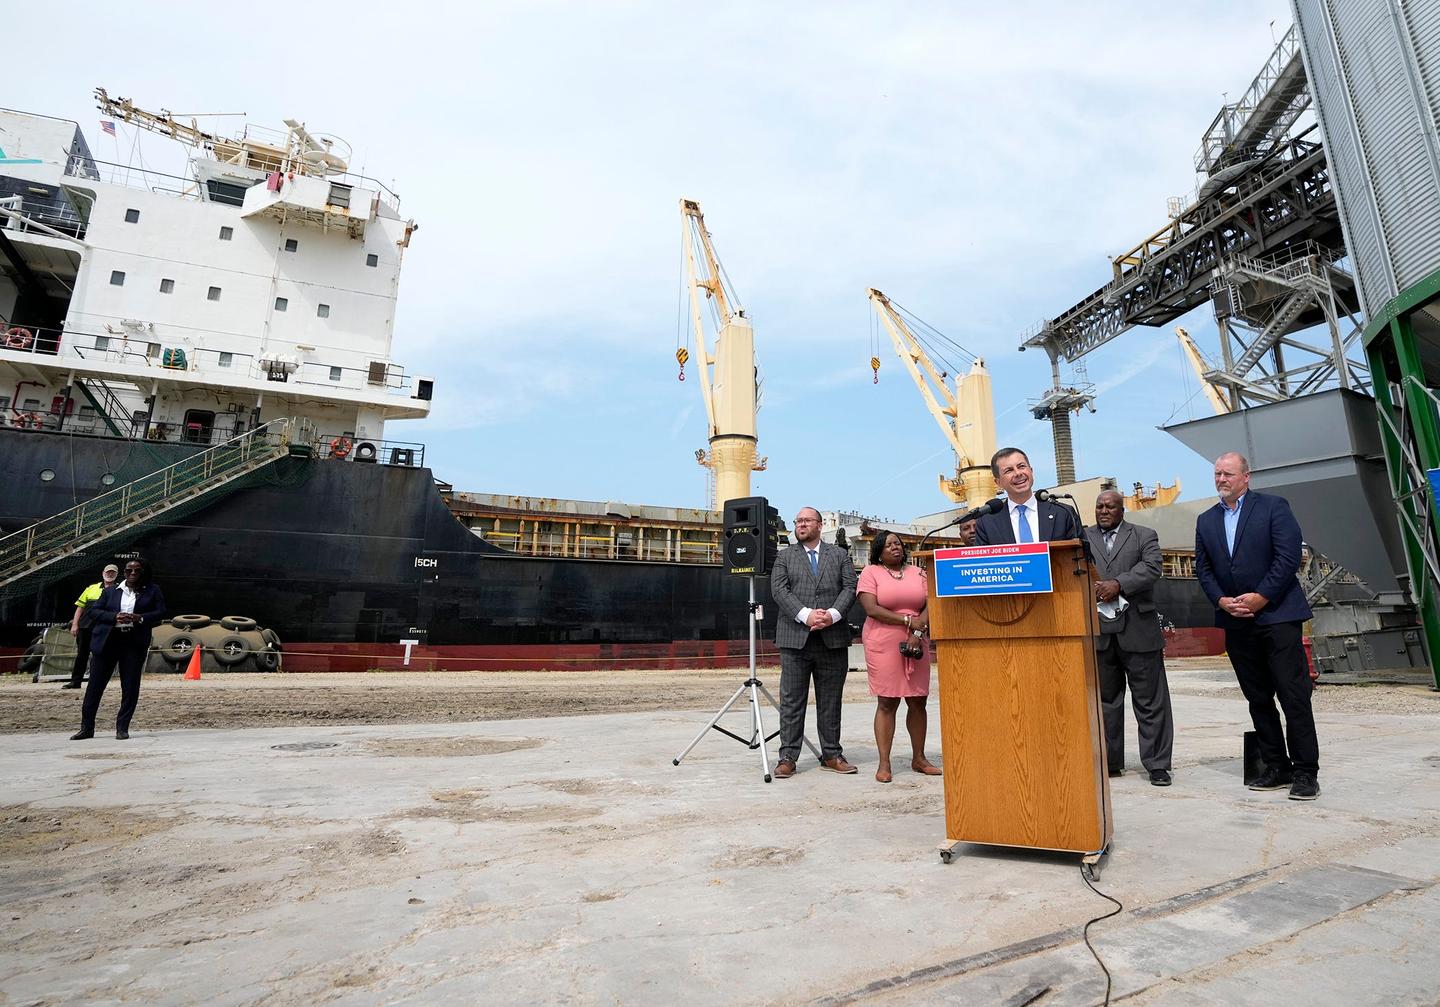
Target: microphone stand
(1073,508)
(978,512)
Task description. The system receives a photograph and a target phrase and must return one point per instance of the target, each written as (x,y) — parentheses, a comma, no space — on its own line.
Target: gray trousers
(828,667)
(1149,694)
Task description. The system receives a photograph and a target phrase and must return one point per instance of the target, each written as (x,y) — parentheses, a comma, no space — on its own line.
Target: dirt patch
(757,856)
(467,806)
(27,832)
(440,748)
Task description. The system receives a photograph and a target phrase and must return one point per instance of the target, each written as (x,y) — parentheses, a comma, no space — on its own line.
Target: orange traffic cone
(193,671)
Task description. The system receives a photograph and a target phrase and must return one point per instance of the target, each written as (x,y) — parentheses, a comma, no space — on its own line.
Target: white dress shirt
(127,599)
(1032,517)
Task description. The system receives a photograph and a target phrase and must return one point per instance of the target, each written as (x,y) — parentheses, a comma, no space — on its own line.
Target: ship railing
(137,349)
(52,538)
(127,176)
(345,446)
(551,545)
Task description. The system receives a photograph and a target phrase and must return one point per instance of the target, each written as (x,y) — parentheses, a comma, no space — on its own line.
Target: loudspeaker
(752,536)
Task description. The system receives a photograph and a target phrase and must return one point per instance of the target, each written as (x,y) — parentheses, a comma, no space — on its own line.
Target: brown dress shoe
(784,769)
(925,767)
(839,765)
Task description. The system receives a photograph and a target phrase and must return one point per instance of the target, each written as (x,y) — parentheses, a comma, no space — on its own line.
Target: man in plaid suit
(813,585)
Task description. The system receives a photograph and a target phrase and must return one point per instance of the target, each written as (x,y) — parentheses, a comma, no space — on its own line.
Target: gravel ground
(168,702)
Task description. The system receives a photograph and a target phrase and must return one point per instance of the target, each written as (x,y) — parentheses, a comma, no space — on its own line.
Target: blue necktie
(814,562)
(1025,535)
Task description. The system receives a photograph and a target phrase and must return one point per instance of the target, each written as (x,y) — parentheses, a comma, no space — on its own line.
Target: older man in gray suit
(813,585)
(1130,645)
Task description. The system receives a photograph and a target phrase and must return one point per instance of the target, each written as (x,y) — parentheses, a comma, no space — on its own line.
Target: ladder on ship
(128,507)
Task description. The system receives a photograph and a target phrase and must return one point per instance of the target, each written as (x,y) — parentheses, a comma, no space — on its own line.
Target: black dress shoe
(1272,779)
(1306,787)
(122,735)
(71,685)
(1116,772)
(1160,778)
(82,735)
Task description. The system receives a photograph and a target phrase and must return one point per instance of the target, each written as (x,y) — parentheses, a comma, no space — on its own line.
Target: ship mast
(965,416)
(728,380)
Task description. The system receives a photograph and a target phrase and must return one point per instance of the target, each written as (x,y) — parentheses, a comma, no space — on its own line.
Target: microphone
(1051,495)
(992,507)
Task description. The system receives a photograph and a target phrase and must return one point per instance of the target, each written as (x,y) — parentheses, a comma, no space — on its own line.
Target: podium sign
(984,570)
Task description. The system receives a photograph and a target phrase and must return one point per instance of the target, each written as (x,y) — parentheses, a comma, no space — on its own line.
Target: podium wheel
(946,856)
(1090,871)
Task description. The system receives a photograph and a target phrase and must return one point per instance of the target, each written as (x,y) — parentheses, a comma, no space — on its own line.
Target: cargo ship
(199,369)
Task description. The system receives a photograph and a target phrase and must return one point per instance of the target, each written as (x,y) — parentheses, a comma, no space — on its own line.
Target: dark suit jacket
(793,587)
(1266,557)
(1135,561)
(1056,524)
(149,606)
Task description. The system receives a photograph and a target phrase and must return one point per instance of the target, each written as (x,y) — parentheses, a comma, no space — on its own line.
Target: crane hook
(875,366)
(682,355)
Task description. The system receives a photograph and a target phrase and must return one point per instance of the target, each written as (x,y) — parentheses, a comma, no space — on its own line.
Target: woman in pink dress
(892,593)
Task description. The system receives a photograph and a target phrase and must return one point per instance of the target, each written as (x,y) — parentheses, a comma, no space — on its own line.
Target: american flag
(106,126)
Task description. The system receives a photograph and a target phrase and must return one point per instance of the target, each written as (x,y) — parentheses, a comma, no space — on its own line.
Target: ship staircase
(125,510)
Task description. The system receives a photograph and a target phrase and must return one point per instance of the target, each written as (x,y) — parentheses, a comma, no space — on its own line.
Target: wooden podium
(1020,721)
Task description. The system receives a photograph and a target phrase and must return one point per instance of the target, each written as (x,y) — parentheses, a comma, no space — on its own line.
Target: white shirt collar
(1027,502)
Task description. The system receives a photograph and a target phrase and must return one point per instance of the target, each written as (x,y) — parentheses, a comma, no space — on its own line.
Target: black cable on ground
(1086,931)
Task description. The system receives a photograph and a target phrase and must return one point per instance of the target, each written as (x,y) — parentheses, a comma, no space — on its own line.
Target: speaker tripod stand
(756,688)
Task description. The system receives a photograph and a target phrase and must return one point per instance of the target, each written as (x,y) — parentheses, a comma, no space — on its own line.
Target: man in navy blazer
(1247,550)
(124,616)
(1024,519)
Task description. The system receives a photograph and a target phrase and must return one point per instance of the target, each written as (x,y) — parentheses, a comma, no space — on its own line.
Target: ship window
(4,403)
(132,216)
(87,415)
(47,475)
(226,233)
(108,479)
(281,303)
(291,245)
(213,295)
(167,286)
(339,195)
(323,311)
(102,343)
(227,193)
(226,358)
(31,405)
(117,278)
(152,350)
(372,259)
(334,374)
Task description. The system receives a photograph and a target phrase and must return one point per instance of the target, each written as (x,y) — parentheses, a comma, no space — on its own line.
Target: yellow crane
(966,415)
(728,379)
(1215,393)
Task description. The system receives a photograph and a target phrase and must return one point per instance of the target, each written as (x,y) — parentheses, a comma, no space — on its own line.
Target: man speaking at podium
(1024,519)
(813,585)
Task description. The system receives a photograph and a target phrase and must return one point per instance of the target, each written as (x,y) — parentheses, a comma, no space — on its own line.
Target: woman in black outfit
(124,617)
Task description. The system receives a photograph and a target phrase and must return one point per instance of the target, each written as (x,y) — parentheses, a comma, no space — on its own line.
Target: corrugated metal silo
(1374,69)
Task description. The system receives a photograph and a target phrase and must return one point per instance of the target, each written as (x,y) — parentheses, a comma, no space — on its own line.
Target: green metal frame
(1409,414)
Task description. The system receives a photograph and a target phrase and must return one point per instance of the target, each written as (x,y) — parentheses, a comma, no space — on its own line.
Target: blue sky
(980,165)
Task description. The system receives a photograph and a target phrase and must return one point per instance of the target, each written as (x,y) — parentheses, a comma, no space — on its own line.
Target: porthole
(108,479)
(46,475)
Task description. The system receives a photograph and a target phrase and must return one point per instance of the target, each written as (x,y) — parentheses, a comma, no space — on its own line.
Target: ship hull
(346,560)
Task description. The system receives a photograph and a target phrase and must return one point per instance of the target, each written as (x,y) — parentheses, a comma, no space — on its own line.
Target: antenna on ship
(299,151)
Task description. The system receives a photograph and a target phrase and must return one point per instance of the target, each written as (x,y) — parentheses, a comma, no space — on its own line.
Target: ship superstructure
(261,285)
